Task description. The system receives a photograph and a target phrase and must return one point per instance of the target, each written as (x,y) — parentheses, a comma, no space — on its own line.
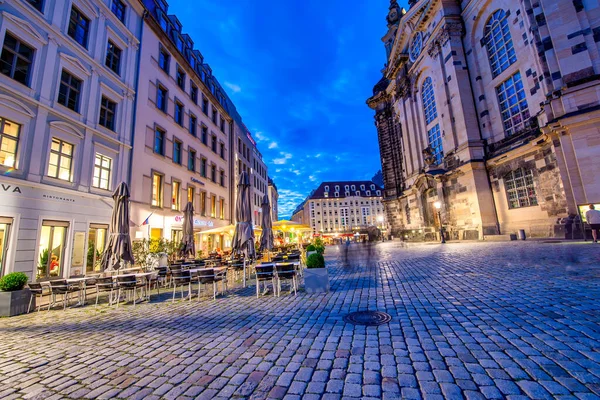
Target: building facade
(273,200)
(342,208)
(67,89)
(489,108)
(182,137)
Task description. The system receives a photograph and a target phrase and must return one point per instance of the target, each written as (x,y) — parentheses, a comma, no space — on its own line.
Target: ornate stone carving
(434,49)
(403,86)
(428,156)
(450,29)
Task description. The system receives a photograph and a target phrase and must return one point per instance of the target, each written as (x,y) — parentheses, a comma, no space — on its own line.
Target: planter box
(316,280)
(14,303)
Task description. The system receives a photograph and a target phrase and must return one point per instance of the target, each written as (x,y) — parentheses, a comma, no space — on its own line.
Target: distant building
(67,86)
(273,199)
(342,207)
(490,110)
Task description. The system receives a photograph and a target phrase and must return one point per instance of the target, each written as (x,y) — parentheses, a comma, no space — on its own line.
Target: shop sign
(198,181)
(10,188)
(197,222)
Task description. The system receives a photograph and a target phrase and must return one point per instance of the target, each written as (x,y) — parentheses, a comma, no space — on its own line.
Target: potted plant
(310,249)
(14,300)
(316,279)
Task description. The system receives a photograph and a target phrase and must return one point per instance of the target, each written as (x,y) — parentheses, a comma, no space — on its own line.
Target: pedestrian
(592,216)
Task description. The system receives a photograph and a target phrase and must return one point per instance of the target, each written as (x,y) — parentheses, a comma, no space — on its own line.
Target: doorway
(96,245)
(51,250)
(5,224)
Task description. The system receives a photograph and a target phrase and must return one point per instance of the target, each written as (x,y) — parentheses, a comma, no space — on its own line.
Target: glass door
(96,245)
(4,235)
(51,251)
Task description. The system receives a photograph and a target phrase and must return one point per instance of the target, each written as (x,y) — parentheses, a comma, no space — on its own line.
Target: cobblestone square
(471,320)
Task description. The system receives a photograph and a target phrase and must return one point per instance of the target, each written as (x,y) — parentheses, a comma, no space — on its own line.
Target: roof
(320,192)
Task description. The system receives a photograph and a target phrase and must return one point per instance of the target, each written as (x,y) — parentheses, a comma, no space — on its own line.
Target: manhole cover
(368,318)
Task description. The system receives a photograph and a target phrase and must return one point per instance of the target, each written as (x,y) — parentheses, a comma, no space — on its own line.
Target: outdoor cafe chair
(278,258)
(158,279)
(206,277)
(265,273)
(61,287)
(105,284)
(286,271)
(37,291)
(182,278)
(128,284)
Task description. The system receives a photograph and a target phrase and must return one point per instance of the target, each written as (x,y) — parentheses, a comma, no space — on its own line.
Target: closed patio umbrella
(243,237)
(188,246)
(266,238)
(119,242)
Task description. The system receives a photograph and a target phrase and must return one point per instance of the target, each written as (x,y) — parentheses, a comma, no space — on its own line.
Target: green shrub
(319,245)
(311,247)
(13,281)
(315,261)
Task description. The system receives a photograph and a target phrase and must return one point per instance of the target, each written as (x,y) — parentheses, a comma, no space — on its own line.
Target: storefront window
(96,244)
(190,194)
(9,141)
(4,234)
(176,235)
(175,195)
(213,206)
(51,250)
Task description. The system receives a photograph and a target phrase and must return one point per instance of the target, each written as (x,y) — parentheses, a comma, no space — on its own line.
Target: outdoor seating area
(183,279)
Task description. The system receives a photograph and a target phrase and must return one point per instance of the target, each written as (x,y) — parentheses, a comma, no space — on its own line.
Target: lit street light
(438,206)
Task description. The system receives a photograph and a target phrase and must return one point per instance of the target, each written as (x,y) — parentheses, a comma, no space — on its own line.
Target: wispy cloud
(273,145)
(234,88)
(283,159)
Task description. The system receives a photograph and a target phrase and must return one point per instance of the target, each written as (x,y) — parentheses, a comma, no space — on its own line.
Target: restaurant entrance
(52,248)
(5,224)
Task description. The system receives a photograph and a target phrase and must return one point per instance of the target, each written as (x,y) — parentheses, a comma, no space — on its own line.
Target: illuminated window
(203,204)
(222,208)
(175,195)
(61,160)
(157,190)
(191,193)
(499,43)
(9,142)
(519,188)
(213,206)
(513,104)
(102,168)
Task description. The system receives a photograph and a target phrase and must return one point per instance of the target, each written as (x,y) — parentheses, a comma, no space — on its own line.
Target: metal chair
(159,278)
(265,273)
(207,277)
(285,271)
(37,290)
(61,287)
(181,278)
(105,285)
(128,284)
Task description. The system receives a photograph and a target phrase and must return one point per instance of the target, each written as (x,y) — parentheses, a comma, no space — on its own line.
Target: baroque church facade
(489,109)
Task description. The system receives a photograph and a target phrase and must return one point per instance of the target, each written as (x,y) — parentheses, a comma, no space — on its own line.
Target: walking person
(592,216)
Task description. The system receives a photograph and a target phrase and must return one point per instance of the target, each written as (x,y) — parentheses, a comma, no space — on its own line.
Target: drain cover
(368,318)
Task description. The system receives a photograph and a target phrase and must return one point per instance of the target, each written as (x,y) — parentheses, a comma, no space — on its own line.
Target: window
(179,113)
(203,167)
(499,43)
(513,104)
(194,93)
(118,8)
(108,109)
(519,188)
(222,150)
(204,135)
(193,124)
(205,105)
(203,204)
(434,139)
(51,251)
(16,59)
(177,152)
(159,141)
(157,190)
(102,168)
(9,142)
(96,244)
(175,192)
(214,116)
(213,143)
(191,193)
(61,160)
(37,4)
(222,125)
(192,160)
(213,173)
(180,78)
(162,97)
(221,208)
(79,27)
(429,101)
(113,57)
(213,206)
(69,91)
(222,178)
(164,59)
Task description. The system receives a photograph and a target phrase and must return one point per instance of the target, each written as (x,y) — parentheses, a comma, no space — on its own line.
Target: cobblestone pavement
(499,320)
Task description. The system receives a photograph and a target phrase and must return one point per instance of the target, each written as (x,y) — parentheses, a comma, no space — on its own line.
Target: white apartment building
(182,137)
(273,199)
(67,89)
(342,207)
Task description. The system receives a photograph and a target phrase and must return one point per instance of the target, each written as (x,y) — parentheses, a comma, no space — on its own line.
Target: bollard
(522,234)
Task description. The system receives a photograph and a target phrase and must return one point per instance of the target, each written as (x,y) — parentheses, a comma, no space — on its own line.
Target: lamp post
(438,207)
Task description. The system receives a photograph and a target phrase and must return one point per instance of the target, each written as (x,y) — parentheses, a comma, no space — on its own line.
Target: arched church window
(434,137)
(499,44)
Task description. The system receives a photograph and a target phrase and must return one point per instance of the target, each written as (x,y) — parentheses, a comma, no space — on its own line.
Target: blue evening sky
(299,73)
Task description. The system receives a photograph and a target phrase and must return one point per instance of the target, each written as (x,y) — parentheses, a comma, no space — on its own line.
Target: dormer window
(368,192)
(353,187)
(372,187)
(347,194)
(327,188)
(337,188)
(337,194)
(347,187)
(326,194)
(357,193)
(362,187)
(378,193)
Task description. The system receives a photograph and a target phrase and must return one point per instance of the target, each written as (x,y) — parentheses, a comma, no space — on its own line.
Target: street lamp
(438,206)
